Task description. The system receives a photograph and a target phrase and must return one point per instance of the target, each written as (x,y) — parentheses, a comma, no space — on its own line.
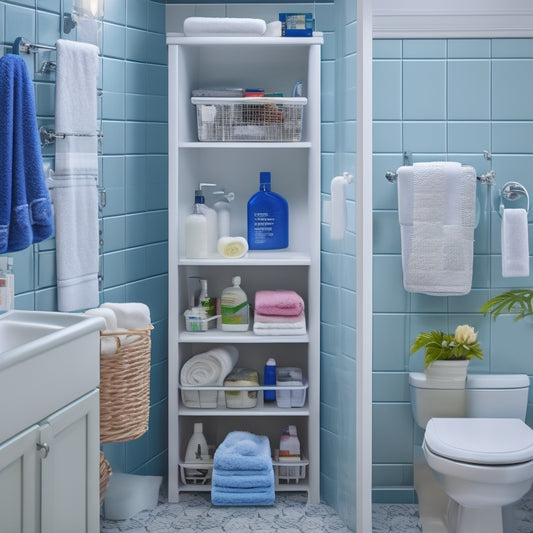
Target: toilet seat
(480,441)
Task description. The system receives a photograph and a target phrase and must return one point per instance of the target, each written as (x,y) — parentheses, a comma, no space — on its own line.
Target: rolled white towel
(130,315)
(109,345)
(107,314)
(223,26)
(209,368)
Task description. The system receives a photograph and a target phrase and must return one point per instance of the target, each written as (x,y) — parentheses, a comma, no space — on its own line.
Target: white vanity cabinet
(49,422)
(49,474)
(275,64)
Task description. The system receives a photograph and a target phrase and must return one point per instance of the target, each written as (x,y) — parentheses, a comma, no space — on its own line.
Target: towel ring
(513,191)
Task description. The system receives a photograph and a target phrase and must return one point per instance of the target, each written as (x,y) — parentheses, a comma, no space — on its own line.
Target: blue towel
(241,450)
(25,207)
(225,479)
(251,497)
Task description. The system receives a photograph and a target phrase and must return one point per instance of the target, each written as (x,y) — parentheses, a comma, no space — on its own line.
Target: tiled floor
(290,514)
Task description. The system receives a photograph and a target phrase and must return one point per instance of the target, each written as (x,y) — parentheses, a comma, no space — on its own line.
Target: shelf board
(219,336)
(254,258)
(269,410)
(243,144)
(259,40)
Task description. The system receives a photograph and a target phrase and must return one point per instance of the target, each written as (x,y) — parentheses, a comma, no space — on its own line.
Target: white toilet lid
(488,441)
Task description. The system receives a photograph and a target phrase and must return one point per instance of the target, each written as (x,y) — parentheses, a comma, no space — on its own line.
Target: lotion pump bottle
(211,215)
(268,218)
(196,231)
(234,307)
(197,447)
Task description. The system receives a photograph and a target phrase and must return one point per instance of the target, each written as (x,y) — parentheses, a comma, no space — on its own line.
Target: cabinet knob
(44,449)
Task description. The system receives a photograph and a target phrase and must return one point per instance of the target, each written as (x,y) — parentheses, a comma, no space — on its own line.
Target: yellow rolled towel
(232,247)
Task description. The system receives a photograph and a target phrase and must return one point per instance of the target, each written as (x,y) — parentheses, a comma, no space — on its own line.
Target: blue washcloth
(241,450)
(25,206)
(250,497)
(226,479)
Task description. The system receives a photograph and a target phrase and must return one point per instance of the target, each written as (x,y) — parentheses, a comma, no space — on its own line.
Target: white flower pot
(447,374)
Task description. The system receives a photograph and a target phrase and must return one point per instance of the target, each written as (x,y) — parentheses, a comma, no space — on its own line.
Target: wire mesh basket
(249,119)
(125,386)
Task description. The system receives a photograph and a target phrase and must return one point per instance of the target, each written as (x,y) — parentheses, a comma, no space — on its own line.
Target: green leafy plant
(440,346)
(515,301)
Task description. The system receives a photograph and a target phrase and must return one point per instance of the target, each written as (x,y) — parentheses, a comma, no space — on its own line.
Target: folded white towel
(208,368)
(220,26)
(280,331)
(107,314)
(436,208)
(515,244)
(130,315)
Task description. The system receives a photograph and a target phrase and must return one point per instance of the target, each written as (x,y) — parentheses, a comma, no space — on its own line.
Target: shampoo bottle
(196,231)
(270,379)
(268,218)
(197,447)
(221,206)
(209,304)
(234,307)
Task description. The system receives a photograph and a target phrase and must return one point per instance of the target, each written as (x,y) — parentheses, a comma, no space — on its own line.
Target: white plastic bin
(290,378)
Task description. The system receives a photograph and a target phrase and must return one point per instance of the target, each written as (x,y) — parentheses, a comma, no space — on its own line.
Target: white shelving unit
(275,64)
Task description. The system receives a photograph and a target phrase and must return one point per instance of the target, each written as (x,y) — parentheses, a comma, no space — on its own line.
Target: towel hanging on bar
(436,208)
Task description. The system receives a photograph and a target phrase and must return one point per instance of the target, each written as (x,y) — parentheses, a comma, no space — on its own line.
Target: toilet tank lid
(497,381)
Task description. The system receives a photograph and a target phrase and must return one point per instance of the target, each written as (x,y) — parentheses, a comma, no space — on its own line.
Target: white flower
(465,334)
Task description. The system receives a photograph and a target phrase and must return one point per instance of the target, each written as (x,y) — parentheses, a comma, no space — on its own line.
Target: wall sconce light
(89,9)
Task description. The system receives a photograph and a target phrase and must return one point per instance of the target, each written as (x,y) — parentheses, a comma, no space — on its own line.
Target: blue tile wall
(134,172)
(447,100)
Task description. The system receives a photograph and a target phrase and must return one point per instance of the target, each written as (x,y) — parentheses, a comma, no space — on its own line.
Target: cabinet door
(19,483)
(70,468)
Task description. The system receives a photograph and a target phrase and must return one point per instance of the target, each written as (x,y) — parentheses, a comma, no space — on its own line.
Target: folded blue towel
(252,497)
(222,479)
(243,473)
(243,490)
(25,206)
(241,450)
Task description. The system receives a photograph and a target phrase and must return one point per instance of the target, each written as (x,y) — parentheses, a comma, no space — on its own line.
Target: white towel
(515,244)
(107,314)
(204,369)
(436,208)
(223,27)
(74,192)
(130,315)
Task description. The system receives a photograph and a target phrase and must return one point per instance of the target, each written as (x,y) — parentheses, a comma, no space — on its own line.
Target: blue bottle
(270,379)
(268,218)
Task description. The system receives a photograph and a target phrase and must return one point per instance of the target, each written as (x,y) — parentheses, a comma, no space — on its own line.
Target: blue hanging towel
(25,206)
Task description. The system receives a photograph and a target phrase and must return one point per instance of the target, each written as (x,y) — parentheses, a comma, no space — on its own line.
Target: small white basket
(196,473)
(289,472)
(249,119)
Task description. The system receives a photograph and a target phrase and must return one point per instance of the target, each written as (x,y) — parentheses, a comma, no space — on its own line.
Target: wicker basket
(105,474)
(125,388)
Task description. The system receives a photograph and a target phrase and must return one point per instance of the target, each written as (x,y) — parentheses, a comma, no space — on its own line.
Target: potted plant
(515,301)
(446,355)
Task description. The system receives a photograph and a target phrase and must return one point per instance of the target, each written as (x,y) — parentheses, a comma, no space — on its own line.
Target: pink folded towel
(278,303)
(277,319)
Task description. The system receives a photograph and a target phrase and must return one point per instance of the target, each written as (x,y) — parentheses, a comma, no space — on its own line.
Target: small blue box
(296,24)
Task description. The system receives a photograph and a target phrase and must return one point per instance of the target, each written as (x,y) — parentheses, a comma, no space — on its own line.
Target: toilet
(477,455)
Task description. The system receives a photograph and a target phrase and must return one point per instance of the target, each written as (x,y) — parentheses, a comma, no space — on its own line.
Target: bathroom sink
(47,359)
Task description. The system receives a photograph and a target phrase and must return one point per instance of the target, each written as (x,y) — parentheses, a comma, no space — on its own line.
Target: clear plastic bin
(296,387)
(249,119)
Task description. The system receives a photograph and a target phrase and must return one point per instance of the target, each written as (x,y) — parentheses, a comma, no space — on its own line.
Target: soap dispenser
(196,230)
(197,447)
(211,216)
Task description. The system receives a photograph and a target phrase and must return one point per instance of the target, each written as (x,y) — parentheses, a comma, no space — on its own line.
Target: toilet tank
(497,395)
(430,401)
